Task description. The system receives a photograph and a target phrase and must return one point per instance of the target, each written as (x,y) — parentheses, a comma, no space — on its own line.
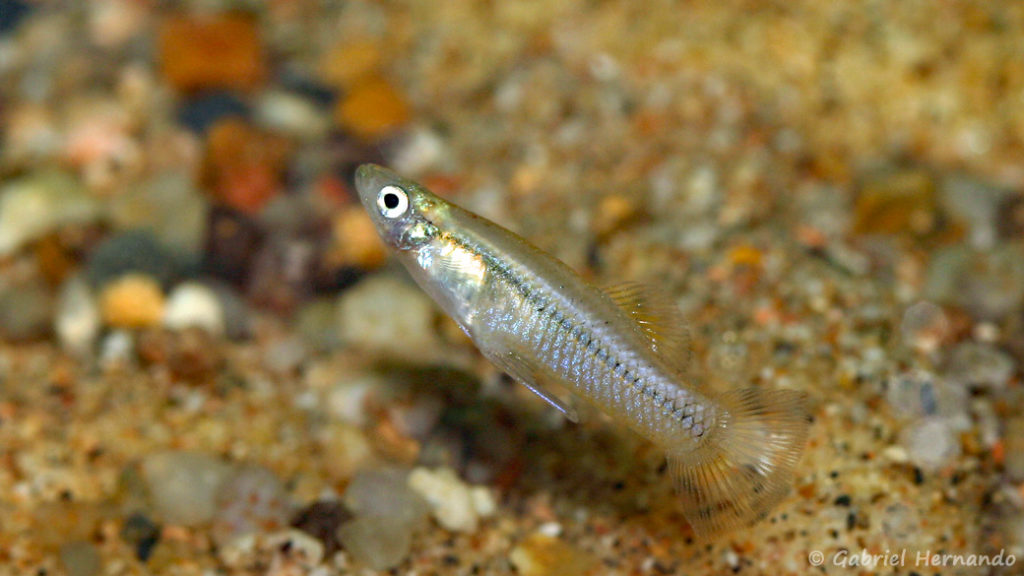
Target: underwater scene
(559,288)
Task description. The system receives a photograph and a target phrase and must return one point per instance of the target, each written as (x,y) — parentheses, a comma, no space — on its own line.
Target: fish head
(418,225)
(403,211)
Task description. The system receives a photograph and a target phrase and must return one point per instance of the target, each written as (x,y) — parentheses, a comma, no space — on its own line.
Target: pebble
(283,274)
(455,505)
(57,254)
(900,522)
(291,114)
(132,301)
(894,201)
(976,204)
(299,80)
(289,215)
(133,251)
(285,355)
(384,314)
(372,109)
(1013,434)
(321,520)
(235,311)
(26,310)
(348,61)
(980,365)
(540,555)
(117,349)
(281,553)
(919,393)
(100,146)
(206,109)
(191,355)
(141,533)
(183,486)
(347,400)
(194,305)
(232,241)
(931,443)
(32,206)
(924,326)
(211,52)
(252,499)
(315,322)
(168,206)
(354,240)
(80,559)
(421,150)
(386,492)
(244,165)
(77,321)
(379,542)
(115,22)
(12,12)
(349,450)
(988,284)
(418,418)
(613,211)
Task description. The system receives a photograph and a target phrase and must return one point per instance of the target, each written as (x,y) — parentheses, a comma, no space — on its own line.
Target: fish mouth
(370,178)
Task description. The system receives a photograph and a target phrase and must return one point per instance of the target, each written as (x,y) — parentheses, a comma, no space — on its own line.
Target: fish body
(623,350)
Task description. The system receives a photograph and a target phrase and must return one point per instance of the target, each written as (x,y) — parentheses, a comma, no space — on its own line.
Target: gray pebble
(980,365)
(26,311)
(183,486)
(80,559)
(378,542)
(253,499)
(386,493)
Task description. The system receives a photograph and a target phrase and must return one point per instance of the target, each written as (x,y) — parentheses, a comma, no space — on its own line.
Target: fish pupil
(391,201)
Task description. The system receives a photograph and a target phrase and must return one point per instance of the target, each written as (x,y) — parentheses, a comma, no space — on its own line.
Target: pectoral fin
(532,377)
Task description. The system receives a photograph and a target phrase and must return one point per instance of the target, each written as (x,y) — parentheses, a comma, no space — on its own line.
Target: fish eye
(392,201)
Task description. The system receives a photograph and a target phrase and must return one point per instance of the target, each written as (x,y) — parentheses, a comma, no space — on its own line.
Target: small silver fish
(622,350)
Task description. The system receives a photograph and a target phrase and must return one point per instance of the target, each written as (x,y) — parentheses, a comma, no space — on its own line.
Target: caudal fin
(744,465)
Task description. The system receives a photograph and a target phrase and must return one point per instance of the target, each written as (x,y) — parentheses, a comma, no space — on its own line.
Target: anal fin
(532,377)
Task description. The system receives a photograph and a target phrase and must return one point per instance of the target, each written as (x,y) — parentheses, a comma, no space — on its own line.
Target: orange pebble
(371,109)
(132,301)
(346,63)
(244,166)
(998,452)
(745,255)
(356,242)
(214,52)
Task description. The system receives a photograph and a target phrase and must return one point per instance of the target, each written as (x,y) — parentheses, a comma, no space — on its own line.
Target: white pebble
(421,151)
(347,400)
(78,321)
(384,314)
(291,114)
(32,206)
(193,305)
(550,529)
(454,504)
(930,443)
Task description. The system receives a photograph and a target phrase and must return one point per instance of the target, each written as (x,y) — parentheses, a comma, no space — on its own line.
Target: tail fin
(744,465)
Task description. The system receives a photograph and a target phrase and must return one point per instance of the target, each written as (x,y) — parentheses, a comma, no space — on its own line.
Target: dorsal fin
(658,318)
